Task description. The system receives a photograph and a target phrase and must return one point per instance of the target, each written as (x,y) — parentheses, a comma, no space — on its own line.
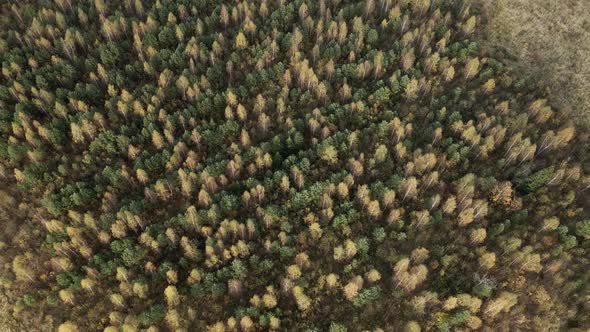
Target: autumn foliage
(297,165)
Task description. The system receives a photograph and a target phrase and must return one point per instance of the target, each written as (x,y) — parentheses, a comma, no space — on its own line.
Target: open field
(550,40)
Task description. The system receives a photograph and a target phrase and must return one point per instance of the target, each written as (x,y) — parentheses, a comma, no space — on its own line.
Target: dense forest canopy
(307,165)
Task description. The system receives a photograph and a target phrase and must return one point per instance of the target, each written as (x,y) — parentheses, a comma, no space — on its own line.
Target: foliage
(199,165)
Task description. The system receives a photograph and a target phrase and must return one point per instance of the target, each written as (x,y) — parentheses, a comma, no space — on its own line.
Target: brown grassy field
(550,40)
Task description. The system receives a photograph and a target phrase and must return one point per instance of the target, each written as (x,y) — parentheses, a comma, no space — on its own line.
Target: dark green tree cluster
(194,165)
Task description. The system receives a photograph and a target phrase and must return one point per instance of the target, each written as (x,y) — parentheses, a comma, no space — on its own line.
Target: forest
(273,165)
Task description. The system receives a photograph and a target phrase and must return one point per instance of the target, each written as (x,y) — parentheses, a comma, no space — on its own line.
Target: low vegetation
(549,40)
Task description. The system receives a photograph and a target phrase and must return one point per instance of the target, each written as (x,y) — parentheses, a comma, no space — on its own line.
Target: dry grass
(549,39)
